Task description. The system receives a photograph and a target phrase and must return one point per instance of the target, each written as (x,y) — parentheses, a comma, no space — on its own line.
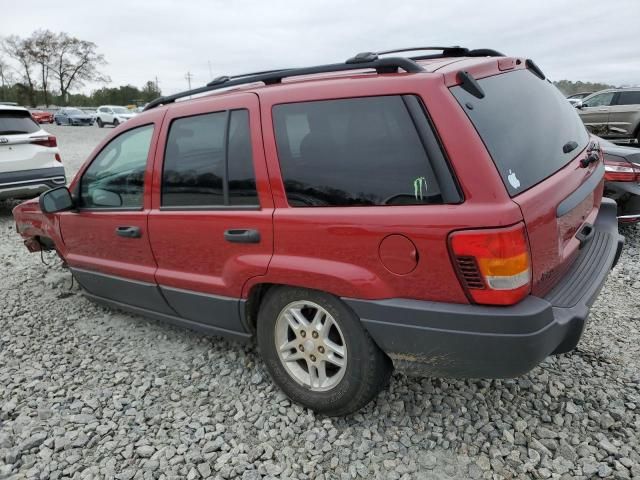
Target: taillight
(621,171)
(494,265)
(48,141)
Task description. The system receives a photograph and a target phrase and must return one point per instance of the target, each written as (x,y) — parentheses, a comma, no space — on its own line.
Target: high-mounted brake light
(494,265)
(621,171)
(48,141)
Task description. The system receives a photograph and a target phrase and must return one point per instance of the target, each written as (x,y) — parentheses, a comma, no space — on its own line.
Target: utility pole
(157,84)
(189,76)
(210,70)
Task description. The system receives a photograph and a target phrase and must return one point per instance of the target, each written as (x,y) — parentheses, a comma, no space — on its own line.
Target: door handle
(129,232)
(242,236)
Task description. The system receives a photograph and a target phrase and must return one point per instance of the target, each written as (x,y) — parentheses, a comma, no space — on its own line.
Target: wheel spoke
(300,318)
(317,320)
(313,375)
(333,347)
(293,357)
(288,346)
(336,360)
(322,373)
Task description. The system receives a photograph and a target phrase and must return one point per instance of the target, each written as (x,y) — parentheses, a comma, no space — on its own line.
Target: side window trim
(76,193)
(435,154)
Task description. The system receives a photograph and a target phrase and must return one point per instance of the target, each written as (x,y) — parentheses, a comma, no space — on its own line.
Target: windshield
(120,110)
(526,125)
(16,122)
(74,111)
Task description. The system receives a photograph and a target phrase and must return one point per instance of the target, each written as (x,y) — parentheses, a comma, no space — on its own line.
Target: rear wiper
(569,146)
(593,154)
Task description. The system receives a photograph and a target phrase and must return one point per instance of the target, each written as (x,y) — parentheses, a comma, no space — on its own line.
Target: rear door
(211,221)
(106,240)
(595,112)
(537,147)
(624,116)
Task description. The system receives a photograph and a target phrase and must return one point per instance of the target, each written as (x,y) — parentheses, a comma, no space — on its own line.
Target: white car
(112,115)
(30,161)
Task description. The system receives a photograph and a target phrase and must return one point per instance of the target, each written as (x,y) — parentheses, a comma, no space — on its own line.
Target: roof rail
(359,62)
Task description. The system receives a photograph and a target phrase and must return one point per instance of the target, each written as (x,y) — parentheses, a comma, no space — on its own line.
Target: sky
(589,40)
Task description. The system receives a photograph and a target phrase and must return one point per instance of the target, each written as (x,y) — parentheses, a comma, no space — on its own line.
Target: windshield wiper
(569,146)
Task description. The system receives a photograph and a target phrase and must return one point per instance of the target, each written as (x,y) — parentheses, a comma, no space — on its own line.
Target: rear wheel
(116,122)
(317,351)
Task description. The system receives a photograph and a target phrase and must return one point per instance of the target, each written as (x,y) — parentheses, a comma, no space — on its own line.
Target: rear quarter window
(17,122)
(353,152)
(524,122)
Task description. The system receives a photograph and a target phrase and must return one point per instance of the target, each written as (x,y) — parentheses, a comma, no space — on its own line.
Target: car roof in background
(13,107)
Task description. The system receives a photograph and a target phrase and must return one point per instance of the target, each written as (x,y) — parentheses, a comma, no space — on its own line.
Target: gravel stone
(90,392)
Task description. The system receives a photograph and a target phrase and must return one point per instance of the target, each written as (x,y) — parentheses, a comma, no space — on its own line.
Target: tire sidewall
(352,331)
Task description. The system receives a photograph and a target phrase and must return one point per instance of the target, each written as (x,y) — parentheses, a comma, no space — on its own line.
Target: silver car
(613,114)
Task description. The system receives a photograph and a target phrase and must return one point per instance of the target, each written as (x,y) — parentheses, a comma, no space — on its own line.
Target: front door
(106,241)
(595,112)
(625,115)
(211,217)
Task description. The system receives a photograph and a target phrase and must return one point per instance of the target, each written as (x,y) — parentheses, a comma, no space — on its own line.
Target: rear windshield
(16,122)
(524,122)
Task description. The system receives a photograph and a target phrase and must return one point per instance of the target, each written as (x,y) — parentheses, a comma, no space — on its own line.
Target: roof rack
(362,61)
(359,62)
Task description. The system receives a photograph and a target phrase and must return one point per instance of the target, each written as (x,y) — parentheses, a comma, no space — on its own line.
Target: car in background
(72,116)
(622,179)
(113,115)
(613,114)
(30,161)
(41,116)
(578,97)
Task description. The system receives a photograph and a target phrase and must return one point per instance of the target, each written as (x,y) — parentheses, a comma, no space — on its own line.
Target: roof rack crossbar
(414,49)
(381,65)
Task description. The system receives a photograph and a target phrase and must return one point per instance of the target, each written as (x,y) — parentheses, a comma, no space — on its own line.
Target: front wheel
(318,352)
(100,124)
(116,123)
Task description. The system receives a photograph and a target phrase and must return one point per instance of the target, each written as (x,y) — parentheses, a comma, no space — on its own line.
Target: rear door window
(353,152)
(629,98)
(15,122)
(524,122)
(208,162)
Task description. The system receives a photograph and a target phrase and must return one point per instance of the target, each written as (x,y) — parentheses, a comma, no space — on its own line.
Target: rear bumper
(471,341)
(30,183)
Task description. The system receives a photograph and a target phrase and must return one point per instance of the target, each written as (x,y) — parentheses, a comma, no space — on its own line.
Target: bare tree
(42,46)
(5,77)
(18,49)
(76,62)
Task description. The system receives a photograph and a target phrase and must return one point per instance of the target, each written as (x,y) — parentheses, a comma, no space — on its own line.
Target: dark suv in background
(613,114)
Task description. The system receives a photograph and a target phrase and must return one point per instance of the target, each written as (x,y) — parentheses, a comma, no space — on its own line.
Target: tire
(100,124)
(57,123)
(115,123)
(365,369)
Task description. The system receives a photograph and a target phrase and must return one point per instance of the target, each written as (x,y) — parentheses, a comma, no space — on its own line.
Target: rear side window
(524,122)
(208,162)
(353,152)
(629,98)
(17,122)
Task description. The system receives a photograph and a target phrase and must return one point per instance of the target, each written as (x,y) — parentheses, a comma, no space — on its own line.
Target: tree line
(47,67)
(567,87)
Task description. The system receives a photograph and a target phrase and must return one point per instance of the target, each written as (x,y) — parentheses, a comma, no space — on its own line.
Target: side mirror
(580,104)
(56,200)
(105,198)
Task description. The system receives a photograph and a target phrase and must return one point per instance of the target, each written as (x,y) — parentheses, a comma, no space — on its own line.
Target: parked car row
(340,221)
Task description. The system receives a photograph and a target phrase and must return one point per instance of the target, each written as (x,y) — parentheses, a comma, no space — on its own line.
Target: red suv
(389,211)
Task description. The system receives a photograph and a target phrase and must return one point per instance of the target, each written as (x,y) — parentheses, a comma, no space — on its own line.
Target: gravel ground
(87,392)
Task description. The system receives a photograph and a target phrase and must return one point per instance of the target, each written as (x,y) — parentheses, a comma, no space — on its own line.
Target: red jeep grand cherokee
(441,214)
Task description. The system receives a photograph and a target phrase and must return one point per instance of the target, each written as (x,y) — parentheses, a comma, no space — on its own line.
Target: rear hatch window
(525,123)
(16,122)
